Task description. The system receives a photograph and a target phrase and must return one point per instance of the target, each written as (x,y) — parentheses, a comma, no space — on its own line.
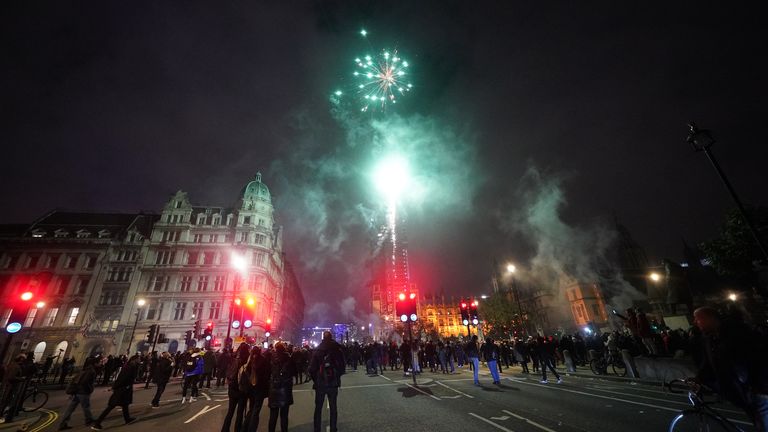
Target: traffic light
(464,308)
(405,307)
(197,333)
(267,327)
(188,336)
(208,332)
(473,317)
(19,312)
(152,332)
(248,315)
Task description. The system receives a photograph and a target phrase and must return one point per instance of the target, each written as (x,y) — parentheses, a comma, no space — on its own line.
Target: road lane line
(52,416)
(388,379)
(205,395)
(659,399)
(675,410)
(423,392)
(202,411)
(531,422)
(457,391)
(494,424)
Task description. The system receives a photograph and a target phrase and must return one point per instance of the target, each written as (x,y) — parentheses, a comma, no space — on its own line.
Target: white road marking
(457,391)
(205,395)
(422,391)
(450,397)
(502,418)
(202,411)
(618,399)
(530,422)
(388,379)
(494,424)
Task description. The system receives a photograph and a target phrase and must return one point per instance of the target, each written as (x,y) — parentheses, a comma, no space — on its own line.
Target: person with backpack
(122,392)
(80,390)
(193,369)
(280,387)
(255,382)
(326,369)
(237,398)
(161,374)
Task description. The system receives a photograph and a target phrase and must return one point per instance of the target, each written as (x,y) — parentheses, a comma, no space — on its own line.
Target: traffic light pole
(413,360)
(154,342)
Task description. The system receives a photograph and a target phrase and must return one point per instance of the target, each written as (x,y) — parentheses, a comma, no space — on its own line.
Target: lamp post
(511,269)
(139,304)
(701,140)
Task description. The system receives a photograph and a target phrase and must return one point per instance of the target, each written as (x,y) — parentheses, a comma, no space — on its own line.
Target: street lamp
(701,140)
(139,304)
(733,297)
(511,268)
(655,277)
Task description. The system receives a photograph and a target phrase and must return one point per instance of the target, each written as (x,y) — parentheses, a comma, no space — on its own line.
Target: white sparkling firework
(381,80)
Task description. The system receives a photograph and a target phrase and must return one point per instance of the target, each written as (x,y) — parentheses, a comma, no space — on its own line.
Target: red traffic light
(401,296)
(269,320)
(463,305)
(413,296)
(210,325)
(27,295)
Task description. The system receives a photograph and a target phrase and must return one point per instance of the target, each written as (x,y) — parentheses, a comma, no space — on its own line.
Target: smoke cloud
(562,252)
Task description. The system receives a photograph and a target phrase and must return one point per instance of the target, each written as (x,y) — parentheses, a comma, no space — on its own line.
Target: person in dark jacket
(280,387)
(473,353)
(193,370)
(122,392)
(209,366)
(161,374)
(259,372)
(222,367)
(13,376)
(326,369)
(82,387)
(546,353)
(730,357)
(237,399)
(491,354)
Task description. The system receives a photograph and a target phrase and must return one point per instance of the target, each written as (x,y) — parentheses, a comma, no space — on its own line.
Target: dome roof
(255,189)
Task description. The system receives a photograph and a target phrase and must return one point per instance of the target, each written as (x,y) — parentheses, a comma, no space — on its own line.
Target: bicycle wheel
(596,366)
(619,368)
(699,421)
(34,401)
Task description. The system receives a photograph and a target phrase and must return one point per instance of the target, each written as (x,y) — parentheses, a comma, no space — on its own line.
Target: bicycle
(34,398)
(599,366)
(701,417)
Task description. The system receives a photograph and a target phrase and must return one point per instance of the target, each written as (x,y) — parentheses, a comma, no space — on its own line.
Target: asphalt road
(440,402)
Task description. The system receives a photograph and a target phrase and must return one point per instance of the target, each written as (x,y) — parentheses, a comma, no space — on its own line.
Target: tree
(500,314)
(734,252)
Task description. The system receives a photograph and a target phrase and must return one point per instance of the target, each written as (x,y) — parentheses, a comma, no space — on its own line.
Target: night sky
(110,106)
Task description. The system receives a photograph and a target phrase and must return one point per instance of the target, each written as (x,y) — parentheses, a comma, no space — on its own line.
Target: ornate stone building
(115,275)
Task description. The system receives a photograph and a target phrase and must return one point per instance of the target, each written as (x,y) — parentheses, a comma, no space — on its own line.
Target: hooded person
(326,369)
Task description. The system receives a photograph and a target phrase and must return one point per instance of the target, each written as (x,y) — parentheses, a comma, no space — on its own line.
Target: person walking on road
(237,399)
(13,377)
(546,352)
(326,369)
(280,388)
(257,383)
(162,374)
(473,352)
(122,392)
(193,369)
(80,390)
(209,366)
(491,355)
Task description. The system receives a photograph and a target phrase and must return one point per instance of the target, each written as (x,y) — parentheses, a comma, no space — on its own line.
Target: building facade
(128,272)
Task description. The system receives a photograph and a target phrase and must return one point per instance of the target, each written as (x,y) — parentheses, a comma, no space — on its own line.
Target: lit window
(73,315)
(50,316)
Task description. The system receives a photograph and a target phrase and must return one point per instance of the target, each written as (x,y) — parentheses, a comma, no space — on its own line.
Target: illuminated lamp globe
(247,323)
(475,321)
(414,317)
(404,318)
(235,324)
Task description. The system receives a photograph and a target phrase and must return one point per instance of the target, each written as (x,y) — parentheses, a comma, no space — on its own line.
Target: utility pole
(701,140)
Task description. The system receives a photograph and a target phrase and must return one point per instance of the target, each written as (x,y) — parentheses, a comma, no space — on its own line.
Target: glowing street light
(141,302)
(655,277)
(511,268)
(733,297)
(238,262)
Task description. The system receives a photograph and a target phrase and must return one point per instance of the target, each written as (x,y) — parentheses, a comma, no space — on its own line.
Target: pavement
(440,402)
